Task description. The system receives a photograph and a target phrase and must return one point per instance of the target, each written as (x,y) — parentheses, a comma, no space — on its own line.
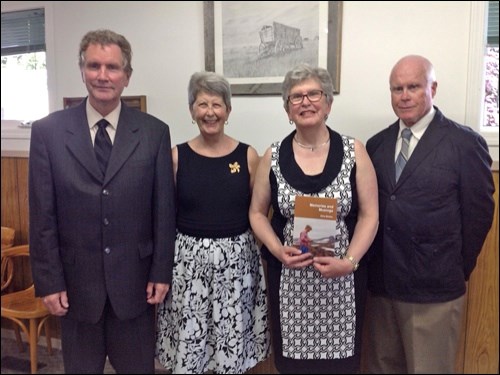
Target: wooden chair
(22,307)
(8,235)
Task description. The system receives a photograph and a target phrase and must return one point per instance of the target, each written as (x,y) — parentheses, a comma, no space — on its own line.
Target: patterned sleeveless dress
(314,319)
(215,316)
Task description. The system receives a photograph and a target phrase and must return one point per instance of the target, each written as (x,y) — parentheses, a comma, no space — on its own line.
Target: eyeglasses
(313,96)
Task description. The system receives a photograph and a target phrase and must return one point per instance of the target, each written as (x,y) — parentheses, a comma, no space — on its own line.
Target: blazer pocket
(140,163)
(436,261)
(437,180)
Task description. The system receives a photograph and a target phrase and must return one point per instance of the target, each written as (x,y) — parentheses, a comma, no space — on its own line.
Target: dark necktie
(403,154)
(102,145)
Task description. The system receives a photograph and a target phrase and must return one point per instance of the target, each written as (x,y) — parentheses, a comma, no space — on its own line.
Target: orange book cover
(315,225)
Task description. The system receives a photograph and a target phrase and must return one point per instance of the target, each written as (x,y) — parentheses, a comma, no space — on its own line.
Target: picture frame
(243,63)
(137,101)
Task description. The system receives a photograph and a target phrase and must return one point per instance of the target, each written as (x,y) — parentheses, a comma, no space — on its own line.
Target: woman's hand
(291,257)
(332,266)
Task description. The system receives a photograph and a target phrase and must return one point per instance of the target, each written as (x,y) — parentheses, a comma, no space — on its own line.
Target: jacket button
(105,192)
(107,250)
(105,221)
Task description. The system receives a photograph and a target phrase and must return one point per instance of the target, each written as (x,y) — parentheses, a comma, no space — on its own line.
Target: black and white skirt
(215,315)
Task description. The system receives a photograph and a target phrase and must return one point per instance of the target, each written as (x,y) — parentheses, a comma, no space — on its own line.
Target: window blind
(23,31)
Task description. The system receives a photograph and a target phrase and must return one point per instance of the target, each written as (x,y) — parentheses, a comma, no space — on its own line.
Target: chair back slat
(8,235)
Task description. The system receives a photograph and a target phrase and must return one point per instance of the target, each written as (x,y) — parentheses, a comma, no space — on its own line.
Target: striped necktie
(403,154)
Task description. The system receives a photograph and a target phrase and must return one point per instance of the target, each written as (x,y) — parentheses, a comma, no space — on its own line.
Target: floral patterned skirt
(215,315)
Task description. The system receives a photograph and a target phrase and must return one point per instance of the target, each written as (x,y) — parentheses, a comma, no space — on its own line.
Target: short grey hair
(211,83)
(303,72)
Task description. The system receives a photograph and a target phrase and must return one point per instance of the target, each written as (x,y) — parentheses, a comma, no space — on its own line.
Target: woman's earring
(193,122)
(226,123)
(290,122)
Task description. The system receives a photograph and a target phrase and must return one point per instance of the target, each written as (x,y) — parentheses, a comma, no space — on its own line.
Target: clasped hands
(328,266)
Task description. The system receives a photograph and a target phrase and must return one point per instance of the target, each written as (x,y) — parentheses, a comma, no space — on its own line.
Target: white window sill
(13,129)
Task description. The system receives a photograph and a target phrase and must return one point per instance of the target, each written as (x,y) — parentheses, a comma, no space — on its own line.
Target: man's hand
(156,292)
(57,303)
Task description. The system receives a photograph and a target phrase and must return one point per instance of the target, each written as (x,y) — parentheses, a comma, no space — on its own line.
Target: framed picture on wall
(254,43)
(138,102)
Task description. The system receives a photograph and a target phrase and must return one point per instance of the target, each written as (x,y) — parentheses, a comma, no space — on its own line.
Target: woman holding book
(316,302)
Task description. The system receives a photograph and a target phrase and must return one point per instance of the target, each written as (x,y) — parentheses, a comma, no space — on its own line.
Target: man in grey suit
(102,240)
(433,222)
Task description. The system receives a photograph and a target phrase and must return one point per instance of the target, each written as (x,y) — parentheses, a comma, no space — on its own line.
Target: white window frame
(475,75)
(11,128)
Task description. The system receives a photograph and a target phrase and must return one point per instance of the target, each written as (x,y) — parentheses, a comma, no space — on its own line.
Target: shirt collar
(419,128)
(93,116)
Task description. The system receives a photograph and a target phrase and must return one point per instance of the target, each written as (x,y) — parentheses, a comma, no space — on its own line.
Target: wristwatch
(353,261)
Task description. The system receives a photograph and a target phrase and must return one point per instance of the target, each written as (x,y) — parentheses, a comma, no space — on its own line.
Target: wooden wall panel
(15,213)
(460,360)
(22,186)
(481,338)
(10,205)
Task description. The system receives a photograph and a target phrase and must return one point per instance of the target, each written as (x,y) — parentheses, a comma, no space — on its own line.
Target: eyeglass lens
(313,96)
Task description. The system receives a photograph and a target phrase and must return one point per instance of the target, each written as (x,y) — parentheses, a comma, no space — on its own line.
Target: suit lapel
(79,142)
(389,146)
(430,140)
(126,141)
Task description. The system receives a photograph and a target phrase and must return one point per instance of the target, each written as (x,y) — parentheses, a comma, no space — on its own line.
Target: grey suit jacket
(434,220)
(99,236)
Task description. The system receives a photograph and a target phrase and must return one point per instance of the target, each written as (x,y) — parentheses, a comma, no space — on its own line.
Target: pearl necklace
(312,148)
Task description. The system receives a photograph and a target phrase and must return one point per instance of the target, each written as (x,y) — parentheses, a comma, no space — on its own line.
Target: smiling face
(308,113)
(210,113)
(412,88)
(104,75)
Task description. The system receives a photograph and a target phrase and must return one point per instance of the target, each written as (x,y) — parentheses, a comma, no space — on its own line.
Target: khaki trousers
(411,338)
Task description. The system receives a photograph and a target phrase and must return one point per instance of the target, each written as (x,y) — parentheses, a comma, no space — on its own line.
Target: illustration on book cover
(315,225)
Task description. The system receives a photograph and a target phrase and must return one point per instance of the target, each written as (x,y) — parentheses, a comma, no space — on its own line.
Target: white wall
(168,46)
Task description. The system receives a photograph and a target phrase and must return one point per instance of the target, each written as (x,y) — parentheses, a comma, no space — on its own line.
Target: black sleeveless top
(213,193)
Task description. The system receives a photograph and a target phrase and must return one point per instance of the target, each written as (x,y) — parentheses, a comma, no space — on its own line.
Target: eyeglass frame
(307,95)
